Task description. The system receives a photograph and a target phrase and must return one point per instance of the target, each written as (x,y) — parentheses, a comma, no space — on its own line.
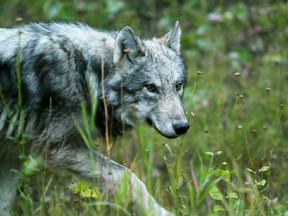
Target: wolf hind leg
(92,165)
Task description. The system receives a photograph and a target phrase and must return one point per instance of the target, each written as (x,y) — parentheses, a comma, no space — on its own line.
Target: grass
(233,159)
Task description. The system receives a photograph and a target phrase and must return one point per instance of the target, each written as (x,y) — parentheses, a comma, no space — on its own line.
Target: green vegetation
(233,160)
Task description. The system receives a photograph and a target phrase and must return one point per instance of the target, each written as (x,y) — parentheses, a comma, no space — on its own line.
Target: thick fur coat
(49,72)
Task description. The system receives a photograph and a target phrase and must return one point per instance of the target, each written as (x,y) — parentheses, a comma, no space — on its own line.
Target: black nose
(181,127)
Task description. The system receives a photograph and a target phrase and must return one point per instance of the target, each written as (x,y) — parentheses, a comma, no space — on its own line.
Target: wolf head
(148,81)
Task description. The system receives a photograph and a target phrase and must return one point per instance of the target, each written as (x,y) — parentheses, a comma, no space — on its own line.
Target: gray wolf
(49,72)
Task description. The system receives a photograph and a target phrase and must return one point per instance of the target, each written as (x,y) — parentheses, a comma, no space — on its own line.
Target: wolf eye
(178,86)
(151,88)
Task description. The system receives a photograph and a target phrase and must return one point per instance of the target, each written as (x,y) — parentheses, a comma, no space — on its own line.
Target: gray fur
(61,67)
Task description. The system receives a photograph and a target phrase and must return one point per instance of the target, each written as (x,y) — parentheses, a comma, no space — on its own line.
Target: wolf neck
(97,48)
(115,126)
(94,45)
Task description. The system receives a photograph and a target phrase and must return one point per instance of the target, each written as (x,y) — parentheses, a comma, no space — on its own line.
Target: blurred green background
(233,161)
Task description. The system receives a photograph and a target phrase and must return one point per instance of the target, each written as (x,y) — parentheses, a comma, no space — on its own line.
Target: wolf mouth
(150,122)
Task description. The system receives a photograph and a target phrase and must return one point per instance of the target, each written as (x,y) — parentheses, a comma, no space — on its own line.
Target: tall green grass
(232,161)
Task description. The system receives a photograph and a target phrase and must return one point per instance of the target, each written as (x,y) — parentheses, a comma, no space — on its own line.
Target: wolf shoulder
(46,36)
(53,57)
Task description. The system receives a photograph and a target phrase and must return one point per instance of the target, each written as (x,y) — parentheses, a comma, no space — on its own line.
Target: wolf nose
(181,127)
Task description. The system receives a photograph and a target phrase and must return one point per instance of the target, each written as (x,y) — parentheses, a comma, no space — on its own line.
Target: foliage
(233,159)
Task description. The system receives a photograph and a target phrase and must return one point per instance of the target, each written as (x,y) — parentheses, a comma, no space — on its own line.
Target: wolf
(51,72)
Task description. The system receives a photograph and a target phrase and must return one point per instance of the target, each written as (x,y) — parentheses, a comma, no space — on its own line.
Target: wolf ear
(126,42)
(172,38)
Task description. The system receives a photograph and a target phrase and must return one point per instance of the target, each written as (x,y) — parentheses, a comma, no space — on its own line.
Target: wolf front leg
(92,165)
(9,165)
